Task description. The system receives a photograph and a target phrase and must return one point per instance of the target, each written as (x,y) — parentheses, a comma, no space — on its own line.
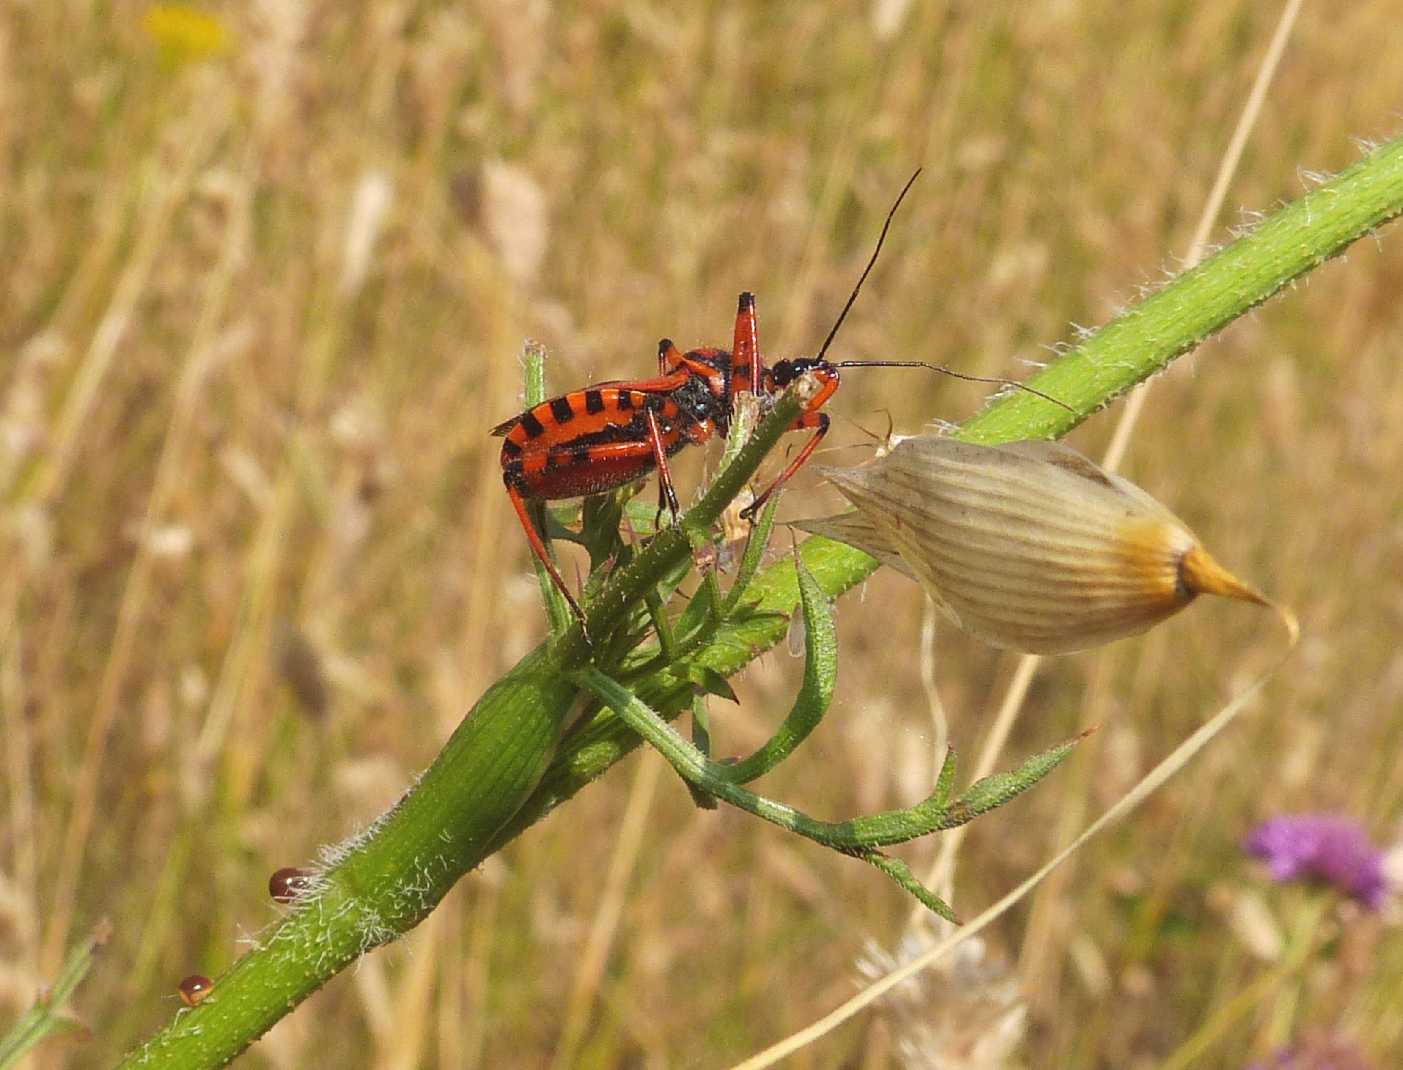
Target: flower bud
(1029,546)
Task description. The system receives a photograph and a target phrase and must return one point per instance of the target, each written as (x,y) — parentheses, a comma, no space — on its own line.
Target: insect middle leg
(667,493)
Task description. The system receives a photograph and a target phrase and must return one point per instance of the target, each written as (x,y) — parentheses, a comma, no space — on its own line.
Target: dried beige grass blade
(1029,546)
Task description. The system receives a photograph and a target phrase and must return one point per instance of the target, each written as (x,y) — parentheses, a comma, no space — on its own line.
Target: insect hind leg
(667,493)
(538,547)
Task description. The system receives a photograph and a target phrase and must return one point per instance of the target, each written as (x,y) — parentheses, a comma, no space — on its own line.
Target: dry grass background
(262,297)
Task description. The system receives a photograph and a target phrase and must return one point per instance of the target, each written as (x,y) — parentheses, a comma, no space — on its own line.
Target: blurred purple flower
(1324,847)
(1318,1052)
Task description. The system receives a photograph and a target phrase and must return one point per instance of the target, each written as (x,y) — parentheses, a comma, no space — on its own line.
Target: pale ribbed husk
(1029,546)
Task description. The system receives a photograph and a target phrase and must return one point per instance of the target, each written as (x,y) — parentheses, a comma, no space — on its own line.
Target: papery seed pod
(1029,546)
(289,884)
(194,988)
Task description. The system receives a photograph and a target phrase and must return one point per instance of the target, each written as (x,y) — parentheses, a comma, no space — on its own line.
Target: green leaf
(945,782)
(534,372)
(845,837)
(704,608)
(900,872)
(711,682)
(701,738)
(558,521)
(558,613)
(755,546)
(816,692)
(657,614)
(995,790)
(599,532)
(642,516)
(701,725)
(673,577)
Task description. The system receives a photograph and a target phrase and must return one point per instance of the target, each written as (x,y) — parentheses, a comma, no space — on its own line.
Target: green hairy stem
(510,761)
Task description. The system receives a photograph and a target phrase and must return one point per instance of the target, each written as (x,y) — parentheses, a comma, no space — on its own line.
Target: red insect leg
(663,384)
(667,493)
(810,418)
(538,547)
(673,361)
(747,367)
(617,459)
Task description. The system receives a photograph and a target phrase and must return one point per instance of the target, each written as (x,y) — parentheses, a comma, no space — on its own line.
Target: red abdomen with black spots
(588,441)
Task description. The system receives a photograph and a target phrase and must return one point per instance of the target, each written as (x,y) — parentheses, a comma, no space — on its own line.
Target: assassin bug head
(785,372)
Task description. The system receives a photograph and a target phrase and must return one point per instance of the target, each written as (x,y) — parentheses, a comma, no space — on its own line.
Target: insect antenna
(945,370)
(852,297)
(870,263)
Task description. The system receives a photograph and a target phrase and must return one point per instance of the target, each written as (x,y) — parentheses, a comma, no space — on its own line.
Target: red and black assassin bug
(615,432)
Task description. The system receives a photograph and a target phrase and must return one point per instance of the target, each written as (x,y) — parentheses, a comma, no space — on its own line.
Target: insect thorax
(697,404)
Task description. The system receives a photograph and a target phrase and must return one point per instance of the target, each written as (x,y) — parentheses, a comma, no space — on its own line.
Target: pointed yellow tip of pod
(1201,574)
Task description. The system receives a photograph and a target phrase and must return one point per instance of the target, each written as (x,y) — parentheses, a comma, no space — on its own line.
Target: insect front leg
(812,418)
(818,420)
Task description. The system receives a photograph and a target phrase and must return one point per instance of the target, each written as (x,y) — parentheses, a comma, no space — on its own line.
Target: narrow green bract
(820,675)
